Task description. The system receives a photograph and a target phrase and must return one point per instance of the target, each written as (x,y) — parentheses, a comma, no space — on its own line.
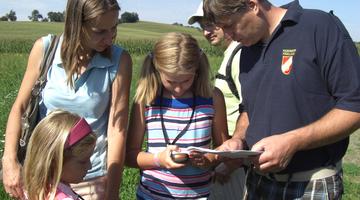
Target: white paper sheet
(229,154)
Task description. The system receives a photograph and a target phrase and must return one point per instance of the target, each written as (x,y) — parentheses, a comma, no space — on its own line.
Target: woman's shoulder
(42,43)
(117,47)
(119,52)
(47,37)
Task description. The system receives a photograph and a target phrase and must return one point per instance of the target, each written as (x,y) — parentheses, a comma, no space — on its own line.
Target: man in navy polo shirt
(300,77)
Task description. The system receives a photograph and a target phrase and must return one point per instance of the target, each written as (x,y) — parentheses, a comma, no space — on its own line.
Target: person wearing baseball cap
(215,35)
(227,175)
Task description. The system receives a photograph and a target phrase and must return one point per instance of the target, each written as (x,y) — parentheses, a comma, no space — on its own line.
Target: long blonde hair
(174,53)
(78,14)
(46,153)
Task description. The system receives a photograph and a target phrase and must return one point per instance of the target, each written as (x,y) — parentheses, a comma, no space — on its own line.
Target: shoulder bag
(31,116)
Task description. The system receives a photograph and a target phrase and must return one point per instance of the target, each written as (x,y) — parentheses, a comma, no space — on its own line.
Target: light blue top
(90,98)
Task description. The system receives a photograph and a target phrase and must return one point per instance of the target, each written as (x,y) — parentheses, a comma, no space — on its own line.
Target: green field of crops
(16,40)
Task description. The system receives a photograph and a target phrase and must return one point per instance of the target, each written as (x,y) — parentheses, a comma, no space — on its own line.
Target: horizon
(149,11)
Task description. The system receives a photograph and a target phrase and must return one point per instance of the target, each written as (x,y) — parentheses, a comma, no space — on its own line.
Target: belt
(318,173)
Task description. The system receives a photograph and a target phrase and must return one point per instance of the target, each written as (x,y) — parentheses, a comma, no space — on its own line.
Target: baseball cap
(196,16)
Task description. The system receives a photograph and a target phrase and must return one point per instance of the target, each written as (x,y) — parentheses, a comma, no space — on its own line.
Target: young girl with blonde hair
(58,154)
(89,76)
(176,105)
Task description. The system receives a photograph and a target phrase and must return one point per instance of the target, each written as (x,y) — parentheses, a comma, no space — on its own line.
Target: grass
(135,31)
(351,181)
(137,38)
(17,38)
(358,47)
(351,167)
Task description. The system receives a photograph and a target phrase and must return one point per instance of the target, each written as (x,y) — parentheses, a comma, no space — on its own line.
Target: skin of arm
(238,139)
(117,126)
(135,156)
(11,166)
(278,149)
(220,129)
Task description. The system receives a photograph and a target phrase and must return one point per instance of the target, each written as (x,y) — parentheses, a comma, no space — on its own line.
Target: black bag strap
(47,60)
(228,78)
(41,81)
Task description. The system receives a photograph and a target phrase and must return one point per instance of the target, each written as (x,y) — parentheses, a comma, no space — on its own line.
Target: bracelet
(156,160)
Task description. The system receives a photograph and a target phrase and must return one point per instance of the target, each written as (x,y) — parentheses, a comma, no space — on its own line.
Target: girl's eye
(102,32)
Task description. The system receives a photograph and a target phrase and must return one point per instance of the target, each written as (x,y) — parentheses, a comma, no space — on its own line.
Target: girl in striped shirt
(176,107)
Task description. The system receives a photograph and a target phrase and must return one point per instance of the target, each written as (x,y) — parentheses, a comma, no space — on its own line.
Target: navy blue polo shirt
(309,66)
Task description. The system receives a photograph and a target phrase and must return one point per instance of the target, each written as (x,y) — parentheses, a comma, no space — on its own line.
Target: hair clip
(77,133)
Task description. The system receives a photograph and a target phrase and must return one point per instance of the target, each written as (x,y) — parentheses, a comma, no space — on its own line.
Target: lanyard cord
(78,195)
(166,136)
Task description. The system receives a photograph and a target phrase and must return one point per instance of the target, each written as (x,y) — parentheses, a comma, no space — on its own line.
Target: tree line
(36,16)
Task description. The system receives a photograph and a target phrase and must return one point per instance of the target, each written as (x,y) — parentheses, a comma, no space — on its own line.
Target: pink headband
(77,133)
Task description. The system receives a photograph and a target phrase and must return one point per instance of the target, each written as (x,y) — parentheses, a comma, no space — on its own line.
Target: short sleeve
(340,63)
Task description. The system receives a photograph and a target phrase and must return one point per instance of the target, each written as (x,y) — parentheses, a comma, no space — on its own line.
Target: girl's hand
(12,178)
(165,158)
(202,160)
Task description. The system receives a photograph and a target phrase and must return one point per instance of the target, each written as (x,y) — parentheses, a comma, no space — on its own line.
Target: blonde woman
(69,143)
(90,77)
(177,107)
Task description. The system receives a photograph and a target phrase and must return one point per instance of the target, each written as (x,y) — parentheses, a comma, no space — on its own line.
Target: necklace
(166,136)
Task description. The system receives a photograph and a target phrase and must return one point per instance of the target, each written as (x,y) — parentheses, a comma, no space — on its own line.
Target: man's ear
(253,5)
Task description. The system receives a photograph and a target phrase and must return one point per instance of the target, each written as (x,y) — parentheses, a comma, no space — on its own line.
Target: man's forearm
(241,126)
(334,126)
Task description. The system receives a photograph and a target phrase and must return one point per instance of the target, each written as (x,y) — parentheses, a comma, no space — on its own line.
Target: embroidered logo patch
(287,60)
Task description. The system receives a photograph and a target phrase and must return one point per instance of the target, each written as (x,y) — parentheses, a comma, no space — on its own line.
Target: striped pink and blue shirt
(184,183)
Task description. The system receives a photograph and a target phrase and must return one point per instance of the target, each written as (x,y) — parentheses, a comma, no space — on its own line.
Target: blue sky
(170,11)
